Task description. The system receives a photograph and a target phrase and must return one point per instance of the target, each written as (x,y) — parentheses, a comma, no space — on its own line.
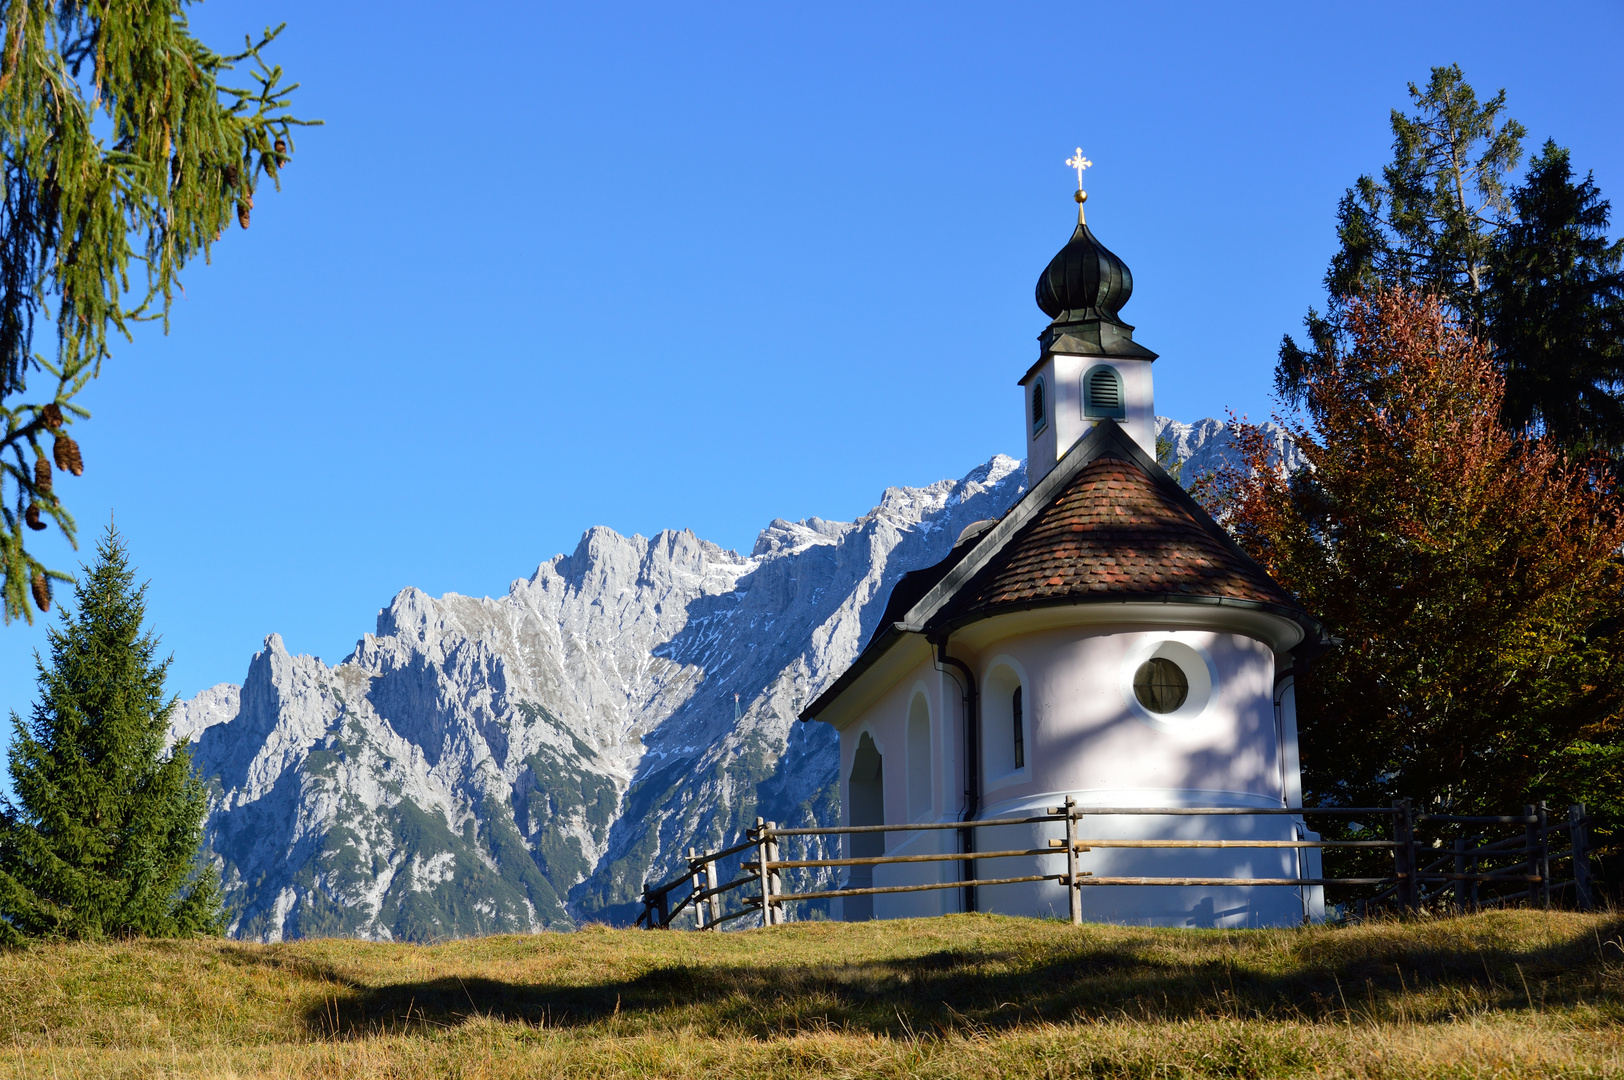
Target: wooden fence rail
(1474,861)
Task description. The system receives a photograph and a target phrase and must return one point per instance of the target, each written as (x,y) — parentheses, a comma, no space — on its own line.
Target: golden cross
(1079,163)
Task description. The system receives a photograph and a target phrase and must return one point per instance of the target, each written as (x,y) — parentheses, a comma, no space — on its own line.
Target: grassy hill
(1507,995)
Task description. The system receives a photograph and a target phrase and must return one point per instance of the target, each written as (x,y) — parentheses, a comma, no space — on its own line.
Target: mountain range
(528,762)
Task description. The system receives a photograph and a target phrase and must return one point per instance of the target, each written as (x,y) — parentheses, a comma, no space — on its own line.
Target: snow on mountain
(1205,445)
(530,761)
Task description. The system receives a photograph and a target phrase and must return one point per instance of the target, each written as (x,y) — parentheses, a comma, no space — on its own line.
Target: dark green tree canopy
(1429,223)
(103,836)
(1556,306)
(123,156)
(1525,267)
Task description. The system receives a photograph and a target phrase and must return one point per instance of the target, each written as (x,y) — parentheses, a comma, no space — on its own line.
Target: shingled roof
(1113,532)
(1106,525)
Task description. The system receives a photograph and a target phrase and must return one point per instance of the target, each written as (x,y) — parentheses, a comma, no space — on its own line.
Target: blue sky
(700,266)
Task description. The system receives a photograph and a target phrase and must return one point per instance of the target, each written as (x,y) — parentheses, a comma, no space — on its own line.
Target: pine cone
(31,515)
(53,415)
(66,452)
(42,476)
(242,214)
(231,176)
(42,591)
(281,147)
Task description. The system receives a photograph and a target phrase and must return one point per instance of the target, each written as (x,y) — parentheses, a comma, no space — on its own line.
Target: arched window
(1020,728)
(919,793)
(1003,722)
(1040,408)
(1102,393)
(866,785)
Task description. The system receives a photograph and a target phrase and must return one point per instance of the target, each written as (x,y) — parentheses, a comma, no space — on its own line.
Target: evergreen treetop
(1556,304)
(1526,268)
(103,836)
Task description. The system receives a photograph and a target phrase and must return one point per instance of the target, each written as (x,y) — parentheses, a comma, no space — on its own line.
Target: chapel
(1104,639)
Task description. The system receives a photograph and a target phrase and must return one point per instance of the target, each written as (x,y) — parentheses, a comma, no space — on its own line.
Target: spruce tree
(1428,223)
(127,148)
(1528,267)
(103,837)
(1556,308)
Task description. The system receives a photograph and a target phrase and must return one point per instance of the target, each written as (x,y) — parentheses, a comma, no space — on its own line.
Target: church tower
(1089,368)
(1103,642)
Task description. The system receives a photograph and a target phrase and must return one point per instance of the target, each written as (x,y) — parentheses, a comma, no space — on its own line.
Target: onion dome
(1082,289)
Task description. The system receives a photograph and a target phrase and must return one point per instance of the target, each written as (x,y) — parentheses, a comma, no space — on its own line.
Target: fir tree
(103,838)
(1556,308)
(121,141)
(1528,268)
(1428,223)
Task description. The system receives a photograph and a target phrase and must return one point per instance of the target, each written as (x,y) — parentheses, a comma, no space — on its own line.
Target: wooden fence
(1475,869)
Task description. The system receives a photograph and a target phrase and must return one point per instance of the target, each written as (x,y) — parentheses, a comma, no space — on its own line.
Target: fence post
(1579,841)
(1477,868)
(1073,886)
(1531,850)
(761,872)
(1461,892)
(775,878)
(715,901)
(1544,855)
(696,885)
(1404,856)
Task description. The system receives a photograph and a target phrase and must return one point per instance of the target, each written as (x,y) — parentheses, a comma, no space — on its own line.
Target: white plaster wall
(1042,447)
(1085,736)
(1084,731)
(1139,390)
(885,721)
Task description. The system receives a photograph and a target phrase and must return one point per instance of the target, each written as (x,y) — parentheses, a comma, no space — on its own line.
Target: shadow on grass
(1380,978)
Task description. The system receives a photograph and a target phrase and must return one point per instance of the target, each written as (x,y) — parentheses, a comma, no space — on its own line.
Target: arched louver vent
(1102,393)
(1039,407)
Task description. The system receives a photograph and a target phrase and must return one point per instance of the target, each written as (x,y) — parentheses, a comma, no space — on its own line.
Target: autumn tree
(1472,575)
(123,156)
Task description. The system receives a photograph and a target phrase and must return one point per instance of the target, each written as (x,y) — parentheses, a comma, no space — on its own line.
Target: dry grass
(1506,995)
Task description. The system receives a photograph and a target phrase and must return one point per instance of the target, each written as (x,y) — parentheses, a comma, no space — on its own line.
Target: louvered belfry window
(1039,406)
(1102,393)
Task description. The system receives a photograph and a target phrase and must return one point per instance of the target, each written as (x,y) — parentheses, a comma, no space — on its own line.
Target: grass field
(1511,994)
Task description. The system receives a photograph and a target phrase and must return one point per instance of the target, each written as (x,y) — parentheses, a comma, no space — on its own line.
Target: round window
(1161,685)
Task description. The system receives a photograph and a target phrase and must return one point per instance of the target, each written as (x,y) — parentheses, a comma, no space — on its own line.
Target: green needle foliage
(1429,223)
(104,836)
(1556,302)
(122,156)
(1526,268)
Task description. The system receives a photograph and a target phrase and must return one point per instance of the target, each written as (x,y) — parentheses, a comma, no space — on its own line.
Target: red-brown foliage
(1472,576)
